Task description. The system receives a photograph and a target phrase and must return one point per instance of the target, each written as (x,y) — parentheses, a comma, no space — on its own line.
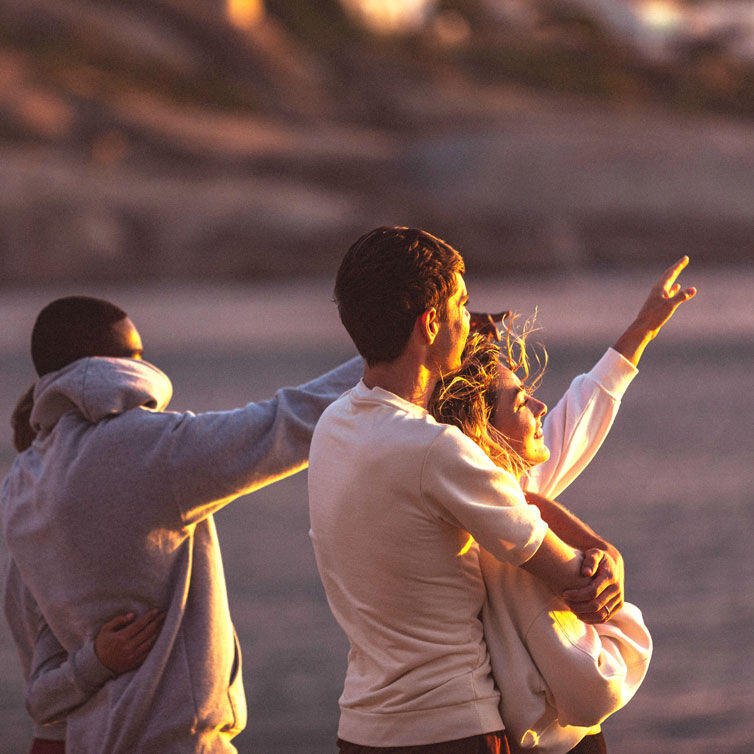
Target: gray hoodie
(110,511)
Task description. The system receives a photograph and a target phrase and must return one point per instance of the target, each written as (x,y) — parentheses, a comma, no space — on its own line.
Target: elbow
(39,712)
(591,708)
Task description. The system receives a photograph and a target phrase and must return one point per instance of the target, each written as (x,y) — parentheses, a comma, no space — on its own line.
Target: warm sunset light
(244,13)
(390,16)
(467,546)
(660,13)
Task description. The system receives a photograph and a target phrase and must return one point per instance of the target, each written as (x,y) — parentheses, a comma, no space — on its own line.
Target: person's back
(73,497)
(118,494)
(398,575)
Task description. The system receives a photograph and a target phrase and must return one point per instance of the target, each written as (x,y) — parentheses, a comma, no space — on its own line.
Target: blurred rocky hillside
(238,138)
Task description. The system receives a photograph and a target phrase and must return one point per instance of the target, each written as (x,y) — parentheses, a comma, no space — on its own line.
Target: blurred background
(206,163)
(237,138)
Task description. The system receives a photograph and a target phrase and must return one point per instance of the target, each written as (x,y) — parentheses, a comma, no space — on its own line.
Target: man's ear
(429,325)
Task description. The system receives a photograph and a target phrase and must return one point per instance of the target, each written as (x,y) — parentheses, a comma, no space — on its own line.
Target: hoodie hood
(97,387)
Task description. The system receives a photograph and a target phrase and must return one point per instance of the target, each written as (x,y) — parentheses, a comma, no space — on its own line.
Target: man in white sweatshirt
(110,511)
(393,497)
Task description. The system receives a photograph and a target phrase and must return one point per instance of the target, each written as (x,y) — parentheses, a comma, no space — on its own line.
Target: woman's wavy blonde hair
(466,398)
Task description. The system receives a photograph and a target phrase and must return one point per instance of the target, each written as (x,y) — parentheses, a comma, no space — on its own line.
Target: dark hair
(74,327)
(386,280)
(23,434)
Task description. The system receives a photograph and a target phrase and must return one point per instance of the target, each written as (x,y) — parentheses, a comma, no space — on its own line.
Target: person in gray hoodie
(54,681)
(110,511)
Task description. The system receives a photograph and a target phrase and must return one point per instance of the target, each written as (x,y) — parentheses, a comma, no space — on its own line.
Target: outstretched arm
(575,430)
(216,456)
(664,298)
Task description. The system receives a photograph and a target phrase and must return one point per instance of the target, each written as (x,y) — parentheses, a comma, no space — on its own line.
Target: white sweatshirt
(392,495)
(559,677)
(110,511)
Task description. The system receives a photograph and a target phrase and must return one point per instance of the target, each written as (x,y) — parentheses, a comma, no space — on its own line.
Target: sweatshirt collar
(379,395)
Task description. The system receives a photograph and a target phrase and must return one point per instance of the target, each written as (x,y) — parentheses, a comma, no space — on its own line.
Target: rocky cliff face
(163,138)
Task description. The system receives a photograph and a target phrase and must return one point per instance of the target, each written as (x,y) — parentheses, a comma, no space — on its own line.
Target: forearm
(557,564)
(633,341)
(607,579)
(572,530)
(59,683)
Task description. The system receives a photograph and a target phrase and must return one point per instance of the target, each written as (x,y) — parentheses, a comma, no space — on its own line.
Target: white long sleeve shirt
(392,496)
(559,677)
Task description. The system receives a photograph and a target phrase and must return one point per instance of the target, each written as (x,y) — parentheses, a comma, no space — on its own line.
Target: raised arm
(576,427)
(575,430)
(664,298)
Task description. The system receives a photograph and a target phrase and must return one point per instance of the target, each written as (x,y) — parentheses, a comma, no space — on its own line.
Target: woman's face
(519,417)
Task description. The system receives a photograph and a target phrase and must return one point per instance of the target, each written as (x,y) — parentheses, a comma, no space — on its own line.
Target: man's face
(126,341)
(454,330)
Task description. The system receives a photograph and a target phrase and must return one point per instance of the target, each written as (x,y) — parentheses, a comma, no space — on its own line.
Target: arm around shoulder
(218,456)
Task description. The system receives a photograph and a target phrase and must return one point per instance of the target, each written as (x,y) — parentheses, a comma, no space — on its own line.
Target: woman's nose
(540,409)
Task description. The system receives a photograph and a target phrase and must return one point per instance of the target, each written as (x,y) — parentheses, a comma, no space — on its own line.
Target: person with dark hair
(75,327)
(56,682)
(386,280)
(111,509)
(393,497)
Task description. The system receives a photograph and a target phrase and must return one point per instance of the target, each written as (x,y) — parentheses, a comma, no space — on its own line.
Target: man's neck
(411,381)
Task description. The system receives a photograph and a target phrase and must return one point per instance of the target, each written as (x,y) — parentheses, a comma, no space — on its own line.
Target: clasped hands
(603,595)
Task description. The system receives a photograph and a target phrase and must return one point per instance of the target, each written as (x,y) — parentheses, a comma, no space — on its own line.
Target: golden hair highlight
(466,398)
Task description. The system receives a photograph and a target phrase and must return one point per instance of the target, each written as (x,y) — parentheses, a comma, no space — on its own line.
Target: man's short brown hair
(386,280)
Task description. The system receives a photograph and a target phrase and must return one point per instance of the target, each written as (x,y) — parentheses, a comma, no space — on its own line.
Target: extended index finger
(672,272)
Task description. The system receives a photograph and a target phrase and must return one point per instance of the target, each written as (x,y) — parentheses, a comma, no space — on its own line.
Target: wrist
(632,342)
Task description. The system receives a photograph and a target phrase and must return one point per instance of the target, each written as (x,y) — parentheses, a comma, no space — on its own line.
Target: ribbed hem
(614,372)
(51,732)
(420,727)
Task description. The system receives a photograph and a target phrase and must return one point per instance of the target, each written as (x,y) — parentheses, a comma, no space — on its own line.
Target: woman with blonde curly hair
(559,677)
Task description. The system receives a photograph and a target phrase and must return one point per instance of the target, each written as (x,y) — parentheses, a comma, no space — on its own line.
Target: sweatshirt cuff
(88,670)
(614,372)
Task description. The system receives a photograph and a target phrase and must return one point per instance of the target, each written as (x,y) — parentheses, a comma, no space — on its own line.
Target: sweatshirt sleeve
(58,682)
(576,428)
(461,486)
(590,671)
(214,457)
(557,676)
